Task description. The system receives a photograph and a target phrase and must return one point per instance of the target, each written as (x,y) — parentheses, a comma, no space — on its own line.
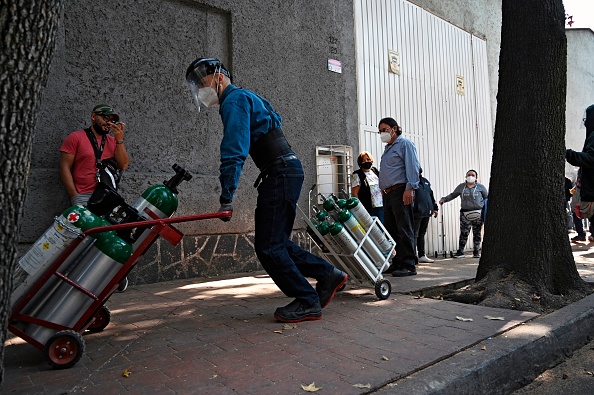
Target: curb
(510,361)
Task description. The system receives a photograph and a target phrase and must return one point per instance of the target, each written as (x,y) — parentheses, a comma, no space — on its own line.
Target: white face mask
(208,96)
(470,179)
(386,137)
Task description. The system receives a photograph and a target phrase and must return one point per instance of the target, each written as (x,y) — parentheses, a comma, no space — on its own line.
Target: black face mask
(366,165)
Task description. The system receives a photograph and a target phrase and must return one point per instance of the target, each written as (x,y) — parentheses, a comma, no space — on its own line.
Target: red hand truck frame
(66,346)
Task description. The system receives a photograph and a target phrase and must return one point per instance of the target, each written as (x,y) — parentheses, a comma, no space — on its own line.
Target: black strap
(98,150)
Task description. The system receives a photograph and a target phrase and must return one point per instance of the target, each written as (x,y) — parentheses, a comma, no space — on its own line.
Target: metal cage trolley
(353,241)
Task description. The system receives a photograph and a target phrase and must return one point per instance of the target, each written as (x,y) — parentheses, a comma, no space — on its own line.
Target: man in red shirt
(78,159)
(79,152)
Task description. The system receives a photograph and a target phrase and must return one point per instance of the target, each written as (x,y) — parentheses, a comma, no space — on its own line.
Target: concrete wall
(134,55)
(580,87)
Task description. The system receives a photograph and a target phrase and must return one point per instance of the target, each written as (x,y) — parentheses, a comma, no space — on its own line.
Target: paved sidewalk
(218,336)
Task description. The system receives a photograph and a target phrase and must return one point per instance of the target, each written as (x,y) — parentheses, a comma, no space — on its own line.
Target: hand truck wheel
(64,349)
(383,289)
(102,318)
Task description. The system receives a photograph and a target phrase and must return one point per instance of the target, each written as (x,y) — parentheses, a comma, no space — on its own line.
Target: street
(575,376)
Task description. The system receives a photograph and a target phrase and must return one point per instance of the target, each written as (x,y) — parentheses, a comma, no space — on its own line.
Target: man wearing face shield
(585,160)
(79,151)
(252,127)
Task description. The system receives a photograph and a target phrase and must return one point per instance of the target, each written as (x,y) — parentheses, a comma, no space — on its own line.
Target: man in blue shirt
(398,179)
(252,127)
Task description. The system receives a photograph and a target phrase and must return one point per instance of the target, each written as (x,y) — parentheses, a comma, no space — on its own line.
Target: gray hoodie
(471,198)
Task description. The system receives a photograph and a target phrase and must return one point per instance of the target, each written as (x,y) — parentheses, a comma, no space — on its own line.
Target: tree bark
(28,41)
(526,248)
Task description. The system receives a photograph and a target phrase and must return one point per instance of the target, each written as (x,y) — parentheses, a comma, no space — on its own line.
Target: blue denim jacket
(245,119)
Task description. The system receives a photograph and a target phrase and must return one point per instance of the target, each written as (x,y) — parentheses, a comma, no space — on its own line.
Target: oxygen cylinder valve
(180,175)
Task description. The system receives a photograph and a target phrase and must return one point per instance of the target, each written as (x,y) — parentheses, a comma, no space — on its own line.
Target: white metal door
(450,124)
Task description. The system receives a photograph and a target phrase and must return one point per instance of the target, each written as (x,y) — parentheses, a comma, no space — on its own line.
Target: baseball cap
(104,109)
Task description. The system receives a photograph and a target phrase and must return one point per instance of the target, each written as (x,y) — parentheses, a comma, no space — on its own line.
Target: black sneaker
(330,285)
(298,311)
(458,254)
(390,269)
(578,238)
(404,272)
(476,255)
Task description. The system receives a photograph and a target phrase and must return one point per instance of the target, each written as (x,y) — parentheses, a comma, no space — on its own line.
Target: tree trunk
(28,32)
(526,248)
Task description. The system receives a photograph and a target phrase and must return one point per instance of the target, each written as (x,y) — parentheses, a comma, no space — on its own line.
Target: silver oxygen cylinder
(362,215)
(355,228)
(47,249)
(348,244)
(324,229)
(66,305)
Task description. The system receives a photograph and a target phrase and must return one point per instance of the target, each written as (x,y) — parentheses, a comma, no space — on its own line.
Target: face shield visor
(202,87)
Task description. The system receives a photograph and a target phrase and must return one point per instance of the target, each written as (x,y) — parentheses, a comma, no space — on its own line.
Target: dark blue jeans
(399,222)
(421,225)
(285,262)
(377,212)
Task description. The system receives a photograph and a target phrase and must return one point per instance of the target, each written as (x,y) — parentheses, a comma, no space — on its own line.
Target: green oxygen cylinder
(341,203)
(328,203)
(161,199)
(349,245)
(98,267)
(324,228)
(355,228)
(315,237)
(377,235)
(47,249)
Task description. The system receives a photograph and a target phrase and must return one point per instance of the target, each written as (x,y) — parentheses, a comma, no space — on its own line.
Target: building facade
(133,55)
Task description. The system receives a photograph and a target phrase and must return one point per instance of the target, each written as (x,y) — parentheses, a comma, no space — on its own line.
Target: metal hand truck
(357,263)
(65,344)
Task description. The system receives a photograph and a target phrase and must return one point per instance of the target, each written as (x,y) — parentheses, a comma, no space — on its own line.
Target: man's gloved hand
(226,207)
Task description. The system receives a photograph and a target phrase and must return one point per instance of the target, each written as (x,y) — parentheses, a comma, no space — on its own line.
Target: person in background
(81,151)
(424,207)
(365,186)
(398,180)
(472,195)
(568,188)
(585,161)
(252,127)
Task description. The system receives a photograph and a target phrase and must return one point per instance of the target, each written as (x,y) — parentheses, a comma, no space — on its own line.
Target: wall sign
(394,61)
(460,85)
(335,65)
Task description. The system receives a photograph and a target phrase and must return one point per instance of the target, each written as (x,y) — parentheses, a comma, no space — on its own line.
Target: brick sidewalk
(219,337)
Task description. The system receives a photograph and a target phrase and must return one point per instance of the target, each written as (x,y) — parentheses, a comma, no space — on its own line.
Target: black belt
(264,170)
(393,188)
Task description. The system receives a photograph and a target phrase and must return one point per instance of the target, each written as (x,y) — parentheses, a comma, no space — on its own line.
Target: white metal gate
(430,76)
